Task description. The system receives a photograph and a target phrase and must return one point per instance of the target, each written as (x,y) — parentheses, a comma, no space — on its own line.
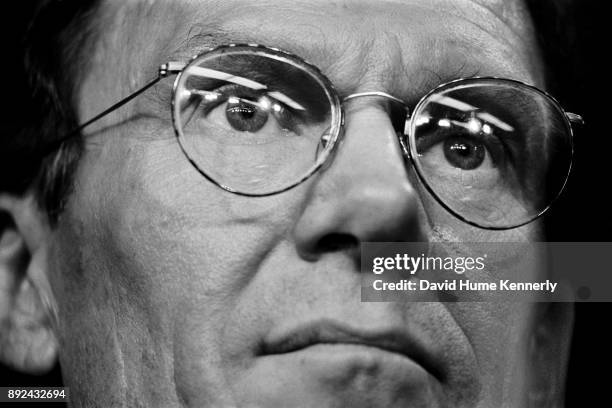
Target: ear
(549,353)
(27,307)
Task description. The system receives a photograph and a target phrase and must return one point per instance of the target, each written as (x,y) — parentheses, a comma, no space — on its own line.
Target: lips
(329,332)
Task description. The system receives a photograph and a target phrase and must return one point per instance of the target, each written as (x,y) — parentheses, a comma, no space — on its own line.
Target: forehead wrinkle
(513,20)
(345,56)
(509,12)
(232,27)
(214,17)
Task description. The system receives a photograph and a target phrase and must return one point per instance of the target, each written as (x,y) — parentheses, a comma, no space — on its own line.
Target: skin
(164,287)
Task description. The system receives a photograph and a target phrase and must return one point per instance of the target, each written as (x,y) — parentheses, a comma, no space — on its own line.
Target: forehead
(359,43)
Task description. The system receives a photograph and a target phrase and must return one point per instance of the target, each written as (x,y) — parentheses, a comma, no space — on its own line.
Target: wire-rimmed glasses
(258,121)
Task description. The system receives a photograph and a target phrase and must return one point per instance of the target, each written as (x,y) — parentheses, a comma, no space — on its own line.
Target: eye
(459,158)
(453,145)
(245,112)
(463,153)
(244,115)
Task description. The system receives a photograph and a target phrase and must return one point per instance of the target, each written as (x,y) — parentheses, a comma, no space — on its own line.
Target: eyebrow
(201,39)
(198,42)
(207,39)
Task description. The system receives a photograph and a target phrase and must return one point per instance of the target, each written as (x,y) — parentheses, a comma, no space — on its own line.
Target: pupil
(460,149)
(464,153)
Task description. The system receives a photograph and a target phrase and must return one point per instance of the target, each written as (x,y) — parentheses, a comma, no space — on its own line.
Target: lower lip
(352,360)
(339,374)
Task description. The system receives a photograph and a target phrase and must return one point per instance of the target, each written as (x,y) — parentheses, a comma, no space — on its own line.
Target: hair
(55,61)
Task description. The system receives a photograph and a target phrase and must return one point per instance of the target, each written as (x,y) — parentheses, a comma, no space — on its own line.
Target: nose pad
(324,144)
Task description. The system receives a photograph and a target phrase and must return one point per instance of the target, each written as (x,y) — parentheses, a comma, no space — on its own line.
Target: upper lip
(330,332)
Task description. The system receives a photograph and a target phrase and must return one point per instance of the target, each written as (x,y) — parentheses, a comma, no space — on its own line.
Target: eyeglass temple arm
(164,71)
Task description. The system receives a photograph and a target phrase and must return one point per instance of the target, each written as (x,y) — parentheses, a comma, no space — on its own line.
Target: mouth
(331,333)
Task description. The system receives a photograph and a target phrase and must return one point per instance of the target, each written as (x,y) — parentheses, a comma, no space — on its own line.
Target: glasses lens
(255,121)
(494,152)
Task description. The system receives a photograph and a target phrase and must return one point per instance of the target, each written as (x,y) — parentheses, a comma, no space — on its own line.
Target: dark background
(582,213)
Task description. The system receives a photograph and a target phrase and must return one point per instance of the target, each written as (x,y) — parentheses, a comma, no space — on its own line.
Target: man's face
(174,292)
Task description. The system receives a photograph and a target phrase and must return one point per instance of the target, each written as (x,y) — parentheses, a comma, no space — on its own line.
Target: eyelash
(497,147)
(287,117)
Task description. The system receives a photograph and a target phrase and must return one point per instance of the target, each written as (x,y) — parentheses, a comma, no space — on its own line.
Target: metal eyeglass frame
(177,68)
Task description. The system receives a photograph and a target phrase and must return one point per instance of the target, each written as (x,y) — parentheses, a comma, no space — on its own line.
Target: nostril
(337,242)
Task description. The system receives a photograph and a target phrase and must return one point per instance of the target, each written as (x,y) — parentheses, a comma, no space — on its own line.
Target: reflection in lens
(494,152)
(254,121)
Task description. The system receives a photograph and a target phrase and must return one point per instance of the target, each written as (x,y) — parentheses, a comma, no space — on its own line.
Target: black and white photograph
(305,204)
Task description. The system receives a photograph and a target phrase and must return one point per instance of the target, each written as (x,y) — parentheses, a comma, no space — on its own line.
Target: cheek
(446,227)
(499,334)
(145,242)
(146,209)
(164,221)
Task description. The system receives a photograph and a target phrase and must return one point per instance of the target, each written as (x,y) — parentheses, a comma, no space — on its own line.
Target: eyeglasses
(258,121)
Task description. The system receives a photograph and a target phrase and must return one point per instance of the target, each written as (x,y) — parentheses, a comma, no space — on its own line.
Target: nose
(365,194)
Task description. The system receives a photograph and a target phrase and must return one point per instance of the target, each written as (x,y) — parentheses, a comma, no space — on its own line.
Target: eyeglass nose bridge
(402,137)
(373,93)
